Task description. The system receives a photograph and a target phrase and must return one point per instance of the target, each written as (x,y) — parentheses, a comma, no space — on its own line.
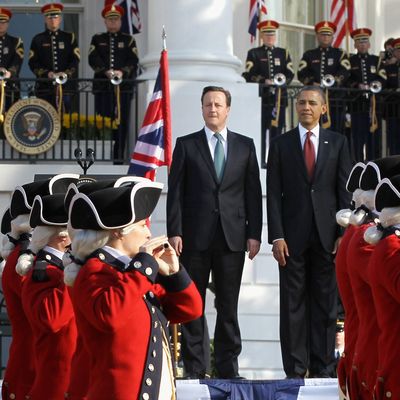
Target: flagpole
(164,38)
(176,345)
(259,20)
(346,4)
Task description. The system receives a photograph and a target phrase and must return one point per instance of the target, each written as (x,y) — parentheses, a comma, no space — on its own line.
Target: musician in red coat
(343,281)
(19,374)
(129,287)
(80,364)
(46,301)
(384,275)
(365,357)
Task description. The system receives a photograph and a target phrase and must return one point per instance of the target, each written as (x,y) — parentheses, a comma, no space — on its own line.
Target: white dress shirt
(212,140)
(314,137)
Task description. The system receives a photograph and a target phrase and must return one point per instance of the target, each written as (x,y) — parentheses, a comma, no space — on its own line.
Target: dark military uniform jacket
(320,61)
(264,63)
(11,58)
(11,54)
(54,51)
(392,101)
(113,51)
(365,68)
(393,75)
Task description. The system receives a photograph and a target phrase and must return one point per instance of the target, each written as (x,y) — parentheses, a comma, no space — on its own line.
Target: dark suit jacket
(196,200)
(293,201)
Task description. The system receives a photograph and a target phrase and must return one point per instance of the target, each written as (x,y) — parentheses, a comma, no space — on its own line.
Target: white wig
(19,225)
(41,236)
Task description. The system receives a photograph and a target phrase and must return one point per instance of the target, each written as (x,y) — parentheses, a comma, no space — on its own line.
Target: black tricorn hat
(115,207)
(6,222)
(48,211)
(353,181)
(86,187)
(60,183)
(388,193)
(378,169)
(23,196)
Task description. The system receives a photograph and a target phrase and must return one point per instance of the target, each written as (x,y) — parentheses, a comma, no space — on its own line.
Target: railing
(80,126)
(351,111)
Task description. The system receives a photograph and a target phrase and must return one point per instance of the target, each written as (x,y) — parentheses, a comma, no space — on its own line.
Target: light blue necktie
(219,157)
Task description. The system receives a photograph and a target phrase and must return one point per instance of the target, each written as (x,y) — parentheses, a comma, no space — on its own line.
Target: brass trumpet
(115,78)
(3,73)
(375,87)
(60,78)
(328,80)
(279,79)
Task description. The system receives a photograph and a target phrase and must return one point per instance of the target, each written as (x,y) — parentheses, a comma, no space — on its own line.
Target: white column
(199,40)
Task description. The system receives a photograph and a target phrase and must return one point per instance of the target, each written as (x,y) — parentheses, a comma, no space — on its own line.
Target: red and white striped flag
(154,144)
(343,16)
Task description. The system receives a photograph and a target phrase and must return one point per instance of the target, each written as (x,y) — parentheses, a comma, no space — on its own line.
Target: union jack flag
(153,147)
(131,22)
(257,8)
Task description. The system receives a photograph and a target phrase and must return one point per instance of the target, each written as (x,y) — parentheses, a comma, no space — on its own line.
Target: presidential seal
(32,126)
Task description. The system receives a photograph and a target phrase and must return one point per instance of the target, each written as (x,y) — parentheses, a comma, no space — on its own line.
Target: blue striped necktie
(219,156)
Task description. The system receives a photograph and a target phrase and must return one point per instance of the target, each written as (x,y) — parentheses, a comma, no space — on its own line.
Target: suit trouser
(227,268)
(308,311)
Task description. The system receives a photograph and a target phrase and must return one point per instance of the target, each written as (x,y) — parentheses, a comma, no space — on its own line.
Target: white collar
(303,131)
(210,133)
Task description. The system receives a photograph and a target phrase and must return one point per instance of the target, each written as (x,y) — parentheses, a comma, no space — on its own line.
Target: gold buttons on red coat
(388,394)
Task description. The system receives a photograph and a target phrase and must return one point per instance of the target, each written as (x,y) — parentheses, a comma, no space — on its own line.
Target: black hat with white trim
(388,193)
(114,208)
(6,222)
(353,181)
(48,211)
(23,196)
(378,169)
(86,187)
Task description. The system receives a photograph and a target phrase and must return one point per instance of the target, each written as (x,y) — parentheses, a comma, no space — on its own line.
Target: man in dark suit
(307,171)
(214,214)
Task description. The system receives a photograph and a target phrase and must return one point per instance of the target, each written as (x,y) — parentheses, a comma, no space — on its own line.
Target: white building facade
(207,43)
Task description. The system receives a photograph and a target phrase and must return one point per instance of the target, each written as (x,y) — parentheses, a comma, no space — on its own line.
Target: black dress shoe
(237,376)
(320,375)
(195,375)
(294,376)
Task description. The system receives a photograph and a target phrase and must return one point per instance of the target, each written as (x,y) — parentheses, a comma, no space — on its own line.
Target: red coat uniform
(122,325)
(20,371)
(80,368)
(346,294)
(365,358)
(49,311)
(384,275)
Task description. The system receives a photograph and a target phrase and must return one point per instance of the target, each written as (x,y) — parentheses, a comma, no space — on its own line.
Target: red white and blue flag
(257,8)
(153,147)
(342,14)
(131,22)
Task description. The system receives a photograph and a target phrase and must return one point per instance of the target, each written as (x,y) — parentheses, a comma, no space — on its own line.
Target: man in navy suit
(214,215)
(307,171)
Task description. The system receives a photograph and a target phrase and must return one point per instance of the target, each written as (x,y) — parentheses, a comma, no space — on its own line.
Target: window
(297,27)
